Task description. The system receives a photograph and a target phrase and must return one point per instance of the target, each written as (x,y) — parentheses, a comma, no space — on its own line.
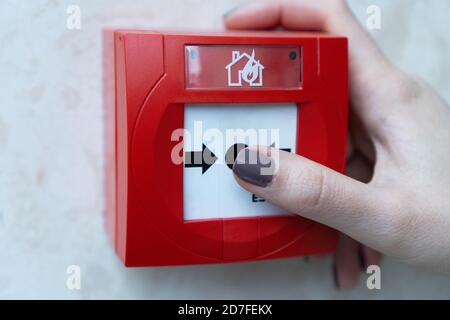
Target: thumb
(313,191)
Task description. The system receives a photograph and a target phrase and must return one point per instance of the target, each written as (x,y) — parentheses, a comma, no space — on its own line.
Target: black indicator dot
(293,55)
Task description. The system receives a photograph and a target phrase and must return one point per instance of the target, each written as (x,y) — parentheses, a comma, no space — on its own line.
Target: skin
(395,196)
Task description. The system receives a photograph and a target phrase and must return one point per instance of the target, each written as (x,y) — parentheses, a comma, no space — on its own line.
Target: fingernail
(226,14)
(362,260)
(253,167)
(335,277)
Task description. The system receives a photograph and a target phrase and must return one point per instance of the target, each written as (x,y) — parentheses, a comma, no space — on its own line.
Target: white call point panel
(214,131)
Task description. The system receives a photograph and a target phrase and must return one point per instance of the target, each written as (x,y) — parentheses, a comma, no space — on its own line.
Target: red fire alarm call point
(174,101)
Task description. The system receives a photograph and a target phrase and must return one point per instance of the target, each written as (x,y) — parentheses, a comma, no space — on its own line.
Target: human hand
(396,195)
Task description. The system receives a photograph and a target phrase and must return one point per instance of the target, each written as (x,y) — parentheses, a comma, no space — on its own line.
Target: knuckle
(318,192)
(310,190)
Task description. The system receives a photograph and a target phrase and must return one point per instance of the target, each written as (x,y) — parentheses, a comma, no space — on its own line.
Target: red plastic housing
(144,95)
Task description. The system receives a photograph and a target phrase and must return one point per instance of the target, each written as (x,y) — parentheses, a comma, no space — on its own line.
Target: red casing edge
(144,97)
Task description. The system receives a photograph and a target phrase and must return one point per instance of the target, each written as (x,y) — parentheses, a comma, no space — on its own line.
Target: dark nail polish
(362,260)
(254,167)
(335,277)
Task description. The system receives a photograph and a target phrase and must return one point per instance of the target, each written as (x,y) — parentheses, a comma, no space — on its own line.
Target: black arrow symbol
(197,159)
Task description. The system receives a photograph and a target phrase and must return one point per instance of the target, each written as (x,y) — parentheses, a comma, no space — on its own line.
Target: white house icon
(251,72)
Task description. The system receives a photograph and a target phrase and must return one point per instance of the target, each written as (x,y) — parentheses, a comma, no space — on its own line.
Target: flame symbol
(250,70)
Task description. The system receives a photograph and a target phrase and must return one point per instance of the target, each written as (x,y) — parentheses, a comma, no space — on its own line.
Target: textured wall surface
(51,155)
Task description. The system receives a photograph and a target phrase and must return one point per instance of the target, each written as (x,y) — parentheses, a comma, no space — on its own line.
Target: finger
(347,263)
(311,190)
(271,14)
(369,257)
(332,16)
(255,16)
(367,64)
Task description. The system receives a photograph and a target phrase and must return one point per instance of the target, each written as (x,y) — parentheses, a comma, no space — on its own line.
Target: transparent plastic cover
(243,67)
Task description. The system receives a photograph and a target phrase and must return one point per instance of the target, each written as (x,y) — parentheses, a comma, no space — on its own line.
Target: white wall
(51,156)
